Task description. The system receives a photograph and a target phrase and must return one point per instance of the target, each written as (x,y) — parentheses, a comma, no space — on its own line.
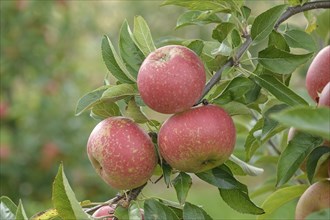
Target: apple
(318,74)
(104,211)
(171,79)
(315,198)
(50,153)
(4,110)
(324,99)
(198,139)
(121,153)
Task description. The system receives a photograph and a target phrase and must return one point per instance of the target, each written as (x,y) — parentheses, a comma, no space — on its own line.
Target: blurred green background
(50,57)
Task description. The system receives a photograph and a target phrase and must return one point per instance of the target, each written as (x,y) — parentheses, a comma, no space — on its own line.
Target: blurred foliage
(50,56)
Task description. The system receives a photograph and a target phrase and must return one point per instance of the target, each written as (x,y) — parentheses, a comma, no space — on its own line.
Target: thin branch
(232,61)
(301,8)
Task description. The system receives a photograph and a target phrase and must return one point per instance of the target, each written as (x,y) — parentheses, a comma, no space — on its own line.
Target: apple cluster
(317,196)
(193,139)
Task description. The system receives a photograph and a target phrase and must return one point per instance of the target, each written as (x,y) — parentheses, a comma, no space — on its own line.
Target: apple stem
(290,11)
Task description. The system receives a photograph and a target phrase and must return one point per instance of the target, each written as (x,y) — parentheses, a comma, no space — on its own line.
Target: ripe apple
(198,139)
(318,74)
(324,99)
(4,110)
(171,79)
(50,153)
(104,211)
(121,153)
(315,198)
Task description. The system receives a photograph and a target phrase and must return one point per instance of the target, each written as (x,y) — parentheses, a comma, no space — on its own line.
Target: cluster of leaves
(254,86)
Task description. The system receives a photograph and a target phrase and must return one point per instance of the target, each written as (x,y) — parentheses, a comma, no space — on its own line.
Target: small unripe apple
(318,74)
(315,198)
(104,211)
(121,153)
(198,139)
(171,79)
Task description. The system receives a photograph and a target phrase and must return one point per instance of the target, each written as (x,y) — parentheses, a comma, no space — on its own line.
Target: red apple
(171,79)
(104,211)
(4,109)
(315,198)
(198,139)
(325,96)
(121,153)
(50,153)
(318,74)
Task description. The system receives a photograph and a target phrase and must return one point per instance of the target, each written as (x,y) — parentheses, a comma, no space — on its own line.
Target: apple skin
(198,139)
(324,99)
(171,79)
(104,211)
(315,198)
(318,74)
(121,153)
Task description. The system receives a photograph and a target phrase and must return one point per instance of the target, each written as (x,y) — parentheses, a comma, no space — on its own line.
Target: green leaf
(314,121)
(236,108)
(240,201)
(270,124)
(130,53)
(114,63)
(246,11)
(50,214)
(235,38)
(105,109)
(134,111)
(121,212)
(279,90)
(191,212)
(217,5)
(20,213)
(221,31)
(117,92)
(277,40)
(312,21)
(280,61)
(174,206)
(316,158)
(142,36)
(7,208)
(264,23)
(156,210)
(247,168)
(300,39)
(197,46)
(87,101)
(279,198)
(237,87)
(294,154)
(253,139)
(182,184)
(167,171)
(197,18)
(222,178)
(294,2)
(64,199)
(323,214)
(134,211)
